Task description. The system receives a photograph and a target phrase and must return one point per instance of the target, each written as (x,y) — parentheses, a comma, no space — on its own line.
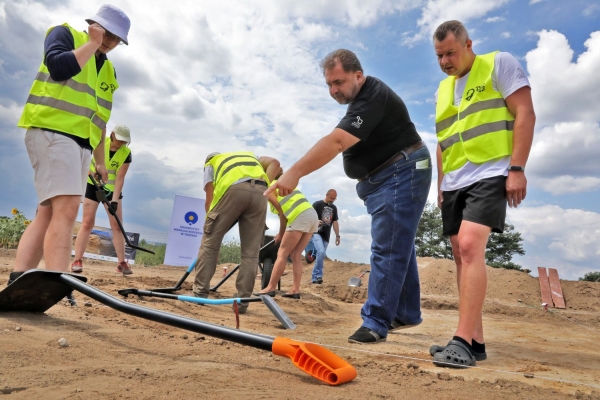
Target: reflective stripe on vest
(79,106)
(230,168)
(113,164)
(292,205)
(481,128)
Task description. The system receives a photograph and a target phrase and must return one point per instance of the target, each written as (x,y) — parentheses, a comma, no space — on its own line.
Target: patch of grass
(12,228)
(147,259)
(231,252)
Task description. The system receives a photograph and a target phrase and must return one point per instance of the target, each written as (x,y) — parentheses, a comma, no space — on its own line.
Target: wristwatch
(516,168)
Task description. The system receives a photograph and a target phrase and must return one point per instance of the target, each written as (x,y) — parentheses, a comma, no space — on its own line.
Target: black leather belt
(257,182)
(397,157)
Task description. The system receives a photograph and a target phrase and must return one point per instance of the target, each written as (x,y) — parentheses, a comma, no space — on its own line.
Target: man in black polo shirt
(382,149)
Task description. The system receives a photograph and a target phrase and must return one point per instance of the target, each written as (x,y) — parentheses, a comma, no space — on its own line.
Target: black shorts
(90,193)
(483,202)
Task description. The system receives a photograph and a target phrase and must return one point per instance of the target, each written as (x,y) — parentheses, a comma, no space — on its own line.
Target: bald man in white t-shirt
(484,123)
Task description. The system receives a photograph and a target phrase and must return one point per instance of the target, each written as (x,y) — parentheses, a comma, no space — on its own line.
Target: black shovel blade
(35,291)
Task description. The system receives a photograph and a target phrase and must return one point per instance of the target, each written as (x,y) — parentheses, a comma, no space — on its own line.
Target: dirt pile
(532,353)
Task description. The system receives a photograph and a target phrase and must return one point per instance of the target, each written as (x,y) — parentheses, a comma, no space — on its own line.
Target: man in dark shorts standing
(65,115)
(328,218)
(484,124)
(384,152)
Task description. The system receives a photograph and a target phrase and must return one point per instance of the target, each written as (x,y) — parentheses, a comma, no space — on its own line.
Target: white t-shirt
(508,77)
(209,176)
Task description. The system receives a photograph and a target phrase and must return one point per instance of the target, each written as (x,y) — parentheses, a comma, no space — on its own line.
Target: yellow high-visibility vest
(481,128)
(292,205)
(230,168)
(79,106)
(113,164)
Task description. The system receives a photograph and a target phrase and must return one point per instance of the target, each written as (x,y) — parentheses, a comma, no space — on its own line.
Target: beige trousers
(245,203)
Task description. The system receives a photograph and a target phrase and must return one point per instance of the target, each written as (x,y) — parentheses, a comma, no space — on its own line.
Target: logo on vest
(191,218)
(114,164)
(105,86)
(358,122)
(471,92)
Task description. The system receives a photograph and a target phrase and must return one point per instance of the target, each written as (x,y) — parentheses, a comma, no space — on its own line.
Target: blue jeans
(320,248)
(395,198)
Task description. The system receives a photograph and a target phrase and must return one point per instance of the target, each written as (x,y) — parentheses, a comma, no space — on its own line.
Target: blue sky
(222,76)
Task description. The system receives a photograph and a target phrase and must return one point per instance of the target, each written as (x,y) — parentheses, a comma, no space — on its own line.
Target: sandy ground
(113,355)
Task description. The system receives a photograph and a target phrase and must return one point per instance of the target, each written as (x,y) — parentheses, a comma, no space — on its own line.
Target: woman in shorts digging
(302,222)
(118,159)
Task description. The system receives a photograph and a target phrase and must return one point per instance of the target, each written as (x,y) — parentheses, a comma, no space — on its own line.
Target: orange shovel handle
(315,360)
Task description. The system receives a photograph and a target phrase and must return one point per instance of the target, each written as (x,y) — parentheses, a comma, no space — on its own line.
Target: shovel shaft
(221,332)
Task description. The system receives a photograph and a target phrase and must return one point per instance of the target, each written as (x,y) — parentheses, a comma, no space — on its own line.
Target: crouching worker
(302,222)
(234,184)
(117,161)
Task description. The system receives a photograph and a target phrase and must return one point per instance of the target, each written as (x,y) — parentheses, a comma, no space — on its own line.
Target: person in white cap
(66,113)
(117,160)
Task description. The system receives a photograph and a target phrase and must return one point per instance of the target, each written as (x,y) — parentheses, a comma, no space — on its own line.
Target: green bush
(591,277)
(147,259)
(12,228)
(231,252)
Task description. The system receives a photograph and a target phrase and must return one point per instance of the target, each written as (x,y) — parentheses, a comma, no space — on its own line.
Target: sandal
(454,355)
(437,348)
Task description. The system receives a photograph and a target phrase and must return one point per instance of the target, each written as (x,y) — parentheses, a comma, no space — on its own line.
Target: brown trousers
(245,203)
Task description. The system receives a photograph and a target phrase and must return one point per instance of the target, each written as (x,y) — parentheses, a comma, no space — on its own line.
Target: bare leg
(297,262)
(57,243)
(117,236)
(31,245)
(288,243)
(472,279)
(87,224)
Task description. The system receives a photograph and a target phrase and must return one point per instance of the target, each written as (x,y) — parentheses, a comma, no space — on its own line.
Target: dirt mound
(114,355)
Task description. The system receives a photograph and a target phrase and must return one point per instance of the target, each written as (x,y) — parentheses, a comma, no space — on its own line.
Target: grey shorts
(483,202)
(307,221)
(60,165)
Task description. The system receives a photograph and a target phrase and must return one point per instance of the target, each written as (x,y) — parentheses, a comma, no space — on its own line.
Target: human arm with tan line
(325,150)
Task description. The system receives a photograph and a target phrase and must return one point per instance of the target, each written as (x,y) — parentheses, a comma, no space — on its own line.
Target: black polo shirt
(379,118)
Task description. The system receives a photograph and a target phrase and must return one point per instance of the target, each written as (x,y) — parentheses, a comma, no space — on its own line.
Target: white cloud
(494,19)
(437,11)
(534,1)
(505,35)
(564,157)
(591,10)
(567,238)
(563,89)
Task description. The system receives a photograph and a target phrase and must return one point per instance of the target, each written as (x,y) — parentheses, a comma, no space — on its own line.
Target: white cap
(122,133)
(210,156)
(112,19)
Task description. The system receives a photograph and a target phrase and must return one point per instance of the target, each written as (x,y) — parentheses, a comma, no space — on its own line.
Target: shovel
(355,281)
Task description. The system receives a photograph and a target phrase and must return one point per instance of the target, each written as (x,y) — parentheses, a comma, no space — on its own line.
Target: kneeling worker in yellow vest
(66,113)
(234,184)
(302,222)
(117,161)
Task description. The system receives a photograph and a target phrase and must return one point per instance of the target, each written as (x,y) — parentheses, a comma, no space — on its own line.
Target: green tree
(591,277)
(430,242)
(502,246)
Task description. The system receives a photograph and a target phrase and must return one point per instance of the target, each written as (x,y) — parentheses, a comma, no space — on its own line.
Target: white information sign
(185,233)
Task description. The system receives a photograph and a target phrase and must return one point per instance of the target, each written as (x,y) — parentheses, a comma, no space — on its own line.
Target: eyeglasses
(112,37)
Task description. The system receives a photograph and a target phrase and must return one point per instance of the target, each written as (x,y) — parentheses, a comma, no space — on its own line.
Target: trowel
(355,281)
